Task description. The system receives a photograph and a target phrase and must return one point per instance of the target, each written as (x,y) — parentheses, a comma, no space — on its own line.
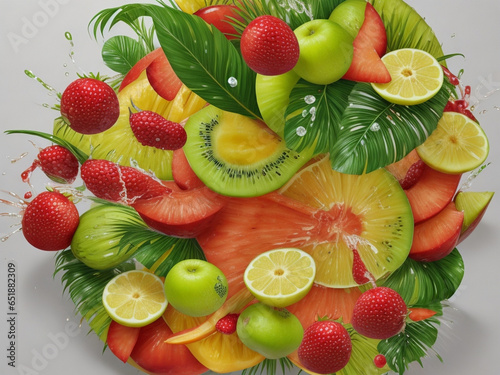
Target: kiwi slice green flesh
(238,156)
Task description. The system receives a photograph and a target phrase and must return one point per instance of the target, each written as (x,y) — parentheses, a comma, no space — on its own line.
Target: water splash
(375,127)
(301,131)
(232,81)
(32,75)
(297,6)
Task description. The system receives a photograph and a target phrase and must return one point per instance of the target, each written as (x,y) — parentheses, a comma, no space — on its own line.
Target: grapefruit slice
(324,213)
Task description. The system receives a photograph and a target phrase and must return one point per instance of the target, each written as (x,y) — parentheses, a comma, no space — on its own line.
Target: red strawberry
(108,180)
(325,348)
(89,106)
(153,130)
(413,175)
(379,313)
(269,46)
(380,361)
(49,221)
(57,162)
(121,340)
(227,324)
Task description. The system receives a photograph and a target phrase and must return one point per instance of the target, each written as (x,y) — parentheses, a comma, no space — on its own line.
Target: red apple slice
(432,192)
(182,172)
(139,67)
(474,205)
(436,237)
(184,213)
(121,340)
(220,17)
(162,78)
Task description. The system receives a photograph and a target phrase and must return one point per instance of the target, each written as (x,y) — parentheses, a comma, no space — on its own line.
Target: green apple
(196,287)
(350,15)
(474,205)
(272,332)
(273,96)
(325,51)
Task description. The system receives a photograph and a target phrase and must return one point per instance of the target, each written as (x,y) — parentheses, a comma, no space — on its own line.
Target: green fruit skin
(326,51)
(196,287)
(96,241)
(272,332)
(350,15)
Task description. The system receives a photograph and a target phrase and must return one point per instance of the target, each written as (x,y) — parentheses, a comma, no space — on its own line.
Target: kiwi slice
(238,156)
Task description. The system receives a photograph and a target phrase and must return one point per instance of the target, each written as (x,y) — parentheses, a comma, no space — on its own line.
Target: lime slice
(134,298)
(416,77)
(457,145)
(280,277)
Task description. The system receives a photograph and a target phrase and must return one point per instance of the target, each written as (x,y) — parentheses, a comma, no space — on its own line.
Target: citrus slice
(457,145)
(134,298)
(280,277)
(416,77)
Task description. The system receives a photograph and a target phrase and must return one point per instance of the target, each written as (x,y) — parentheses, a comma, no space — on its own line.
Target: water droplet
(375,127)
(233,82)
(301,131)
(312,111)
(305,113)
(310,99)
(32,75)
(46,105)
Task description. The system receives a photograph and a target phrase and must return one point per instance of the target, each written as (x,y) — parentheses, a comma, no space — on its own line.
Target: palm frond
(374,133)
(270,367)
(120,53)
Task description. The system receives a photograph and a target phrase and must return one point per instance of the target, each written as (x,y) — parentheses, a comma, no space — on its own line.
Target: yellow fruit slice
(134,298)
(457,145)
(416,77)
(190,6)
(280,277)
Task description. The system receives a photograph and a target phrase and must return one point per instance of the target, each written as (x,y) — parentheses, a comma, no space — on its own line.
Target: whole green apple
(272,332)
(325,51)
(195,287)
(350,15)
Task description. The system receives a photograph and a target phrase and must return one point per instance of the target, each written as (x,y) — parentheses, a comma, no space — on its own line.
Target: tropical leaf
(375,133)
(201,56)
(421,284)
(120,53)
(314,113)
(410,345)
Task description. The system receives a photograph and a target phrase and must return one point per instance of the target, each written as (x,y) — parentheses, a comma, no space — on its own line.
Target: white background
(469,346)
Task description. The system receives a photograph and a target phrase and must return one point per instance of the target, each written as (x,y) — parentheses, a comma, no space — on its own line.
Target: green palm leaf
(120,53)
(375,133)
(314,113)
(421,284)
(201,56)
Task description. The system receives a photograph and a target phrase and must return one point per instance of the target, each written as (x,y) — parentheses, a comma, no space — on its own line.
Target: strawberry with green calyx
(89,106)
(379,313)
(110,181)
(326,347)
(152,129)
(269,46)
(49,221)
(57,162)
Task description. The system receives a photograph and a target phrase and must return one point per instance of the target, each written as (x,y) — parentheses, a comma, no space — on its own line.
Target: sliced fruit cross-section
(134,298)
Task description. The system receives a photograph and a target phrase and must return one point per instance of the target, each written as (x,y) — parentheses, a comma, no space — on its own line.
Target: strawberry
(108,180)
(413,175)
(57,162)
(269,46)
(326,347)
(49,221)
(379,313)
(380,361)
(89,106)
(121,340)
(153,130)
(227,324)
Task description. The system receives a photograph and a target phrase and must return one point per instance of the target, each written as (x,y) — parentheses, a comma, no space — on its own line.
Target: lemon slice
(134,298)
(280,277)
(457,145)
(416,77)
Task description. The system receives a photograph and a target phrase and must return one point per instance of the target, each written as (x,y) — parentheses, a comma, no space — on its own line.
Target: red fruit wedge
(436,237)
(139,67)
(154,355)
(420,313)
(182,172)
(121,340)
(185,213)
(369,45)
(220,16)
(474,205)
(162,78)
(433,191)
(408,170)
